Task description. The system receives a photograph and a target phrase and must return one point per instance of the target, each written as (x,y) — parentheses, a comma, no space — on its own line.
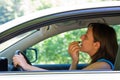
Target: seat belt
(117,60)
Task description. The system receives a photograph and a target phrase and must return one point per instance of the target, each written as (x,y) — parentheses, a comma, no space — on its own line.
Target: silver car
(30,34)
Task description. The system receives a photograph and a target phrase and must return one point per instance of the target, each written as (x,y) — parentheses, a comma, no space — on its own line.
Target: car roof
(53,15)
(56,10)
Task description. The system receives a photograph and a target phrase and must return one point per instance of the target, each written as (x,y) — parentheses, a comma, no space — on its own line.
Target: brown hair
(106,35)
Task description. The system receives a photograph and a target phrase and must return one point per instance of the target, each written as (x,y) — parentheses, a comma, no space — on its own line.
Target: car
(29,34)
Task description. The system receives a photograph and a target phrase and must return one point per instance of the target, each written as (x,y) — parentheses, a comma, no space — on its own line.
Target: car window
(54,49)
(117,29)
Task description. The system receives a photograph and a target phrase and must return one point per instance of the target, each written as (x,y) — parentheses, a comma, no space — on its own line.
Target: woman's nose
(82,37)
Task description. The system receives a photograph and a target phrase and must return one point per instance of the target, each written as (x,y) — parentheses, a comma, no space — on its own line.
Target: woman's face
(88,44)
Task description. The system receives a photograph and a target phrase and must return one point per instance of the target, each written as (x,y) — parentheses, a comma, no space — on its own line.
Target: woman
(99,42)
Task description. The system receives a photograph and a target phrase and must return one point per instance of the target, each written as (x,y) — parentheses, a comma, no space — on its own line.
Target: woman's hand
(73,50)
(19,60)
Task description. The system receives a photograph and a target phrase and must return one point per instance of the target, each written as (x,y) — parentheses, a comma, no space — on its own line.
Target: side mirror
(31,54)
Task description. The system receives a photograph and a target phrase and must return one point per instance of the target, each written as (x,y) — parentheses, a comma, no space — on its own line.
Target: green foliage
(9,10)
(54,50)
(44,5)
(117,29)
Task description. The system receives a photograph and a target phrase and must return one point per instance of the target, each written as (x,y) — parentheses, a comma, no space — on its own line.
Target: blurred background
(11,9)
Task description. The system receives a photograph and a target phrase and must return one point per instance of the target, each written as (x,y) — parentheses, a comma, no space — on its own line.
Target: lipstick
(79,43)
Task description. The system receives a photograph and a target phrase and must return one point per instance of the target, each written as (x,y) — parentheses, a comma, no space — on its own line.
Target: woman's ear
(97,45)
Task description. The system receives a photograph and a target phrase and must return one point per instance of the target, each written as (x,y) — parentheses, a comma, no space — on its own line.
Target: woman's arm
(98,66)
(73,50)
(19,60)
(33,68)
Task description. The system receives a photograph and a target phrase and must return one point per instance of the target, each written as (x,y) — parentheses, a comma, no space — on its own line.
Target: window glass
(54,50)
(117,29)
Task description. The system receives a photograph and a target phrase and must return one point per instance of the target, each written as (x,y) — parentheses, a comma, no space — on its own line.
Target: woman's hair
(106,35)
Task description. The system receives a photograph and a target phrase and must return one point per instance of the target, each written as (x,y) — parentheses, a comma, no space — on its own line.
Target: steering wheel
(18,68)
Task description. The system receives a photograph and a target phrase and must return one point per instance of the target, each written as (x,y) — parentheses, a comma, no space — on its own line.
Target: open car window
(54,50)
